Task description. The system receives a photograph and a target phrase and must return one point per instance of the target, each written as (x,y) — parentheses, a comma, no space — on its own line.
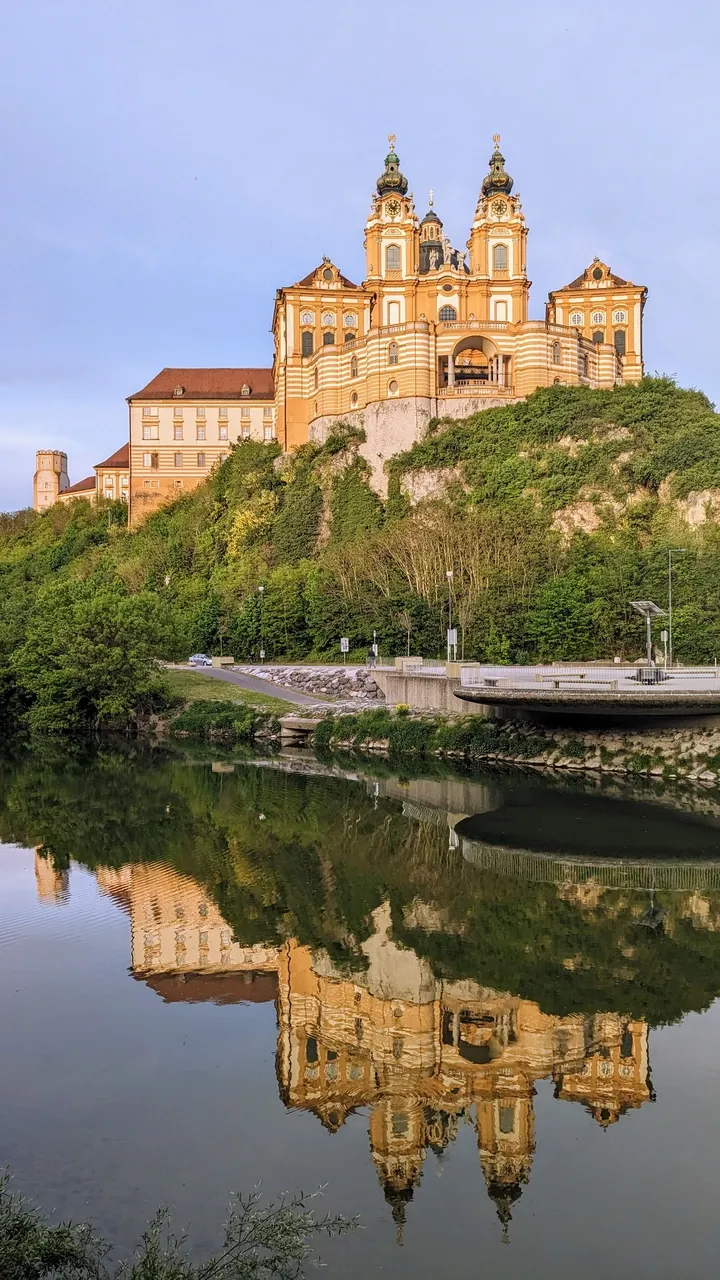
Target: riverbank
(689,752)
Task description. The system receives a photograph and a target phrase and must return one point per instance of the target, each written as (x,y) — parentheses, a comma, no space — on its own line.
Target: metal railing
(616,676)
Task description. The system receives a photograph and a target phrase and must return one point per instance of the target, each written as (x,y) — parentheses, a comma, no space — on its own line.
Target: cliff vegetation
(552,513)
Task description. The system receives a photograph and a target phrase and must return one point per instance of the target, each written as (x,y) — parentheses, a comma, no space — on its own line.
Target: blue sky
(166,165)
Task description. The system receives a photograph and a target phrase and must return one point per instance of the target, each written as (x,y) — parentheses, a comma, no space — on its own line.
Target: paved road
(255,685)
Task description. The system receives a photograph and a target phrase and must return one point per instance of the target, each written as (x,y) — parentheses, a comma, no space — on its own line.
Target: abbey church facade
(435,331)
(432,331)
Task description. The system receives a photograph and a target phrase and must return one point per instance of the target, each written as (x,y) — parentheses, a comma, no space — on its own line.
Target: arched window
(500,257)
(354,367)
(556,353)
(306,342)
(598,317)
(577,319)
(315,378)
(393,353)
(598,335)
(501,310)
(620,341)
(447,313)
(350,337)
(306,317)
(328,339)
(392,257)
(585,366)
(353,399)
(393,313)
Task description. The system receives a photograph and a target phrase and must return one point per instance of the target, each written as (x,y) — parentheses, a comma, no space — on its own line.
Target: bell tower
(391,243)
(497,244)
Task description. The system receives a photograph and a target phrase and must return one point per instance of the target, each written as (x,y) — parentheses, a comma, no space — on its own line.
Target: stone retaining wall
(347,684)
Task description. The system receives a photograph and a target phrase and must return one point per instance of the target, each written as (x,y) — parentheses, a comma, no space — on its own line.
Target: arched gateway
(474,362)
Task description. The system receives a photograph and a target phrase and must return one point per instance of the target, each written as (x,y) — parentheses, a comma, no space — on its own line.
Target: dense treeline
(552,513)
(311,858)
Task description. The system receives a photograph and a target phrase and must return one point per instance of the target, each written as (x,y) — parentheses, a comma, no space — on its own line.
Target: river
(478,1008)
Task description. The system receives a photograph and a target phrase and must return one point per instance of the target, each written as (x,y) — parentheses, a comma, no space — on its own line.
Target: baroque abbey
(433,331)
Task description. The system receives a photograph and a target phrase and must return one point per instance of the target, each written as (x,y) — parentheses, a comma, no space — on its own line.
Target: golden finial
(431,198)
(496,140)
(391,140)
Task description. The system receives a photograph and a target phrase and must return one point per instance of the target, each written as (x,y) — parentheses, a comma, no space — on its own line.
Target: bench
(557,681)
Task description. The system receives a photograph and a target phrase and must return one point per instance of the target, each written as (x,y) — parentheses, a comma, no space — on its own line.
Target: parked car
(199,660)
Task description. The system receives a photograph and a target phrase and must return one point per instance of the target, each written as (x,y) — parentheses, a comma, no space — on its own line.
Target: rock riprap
(346,684)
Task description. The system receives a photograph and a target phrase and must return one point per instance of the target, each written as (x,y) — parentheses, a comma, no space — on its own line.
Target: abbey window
(393,353)
(556,353)
(392,257)
(306,343)
(620,341)
(500,257)
(447,313)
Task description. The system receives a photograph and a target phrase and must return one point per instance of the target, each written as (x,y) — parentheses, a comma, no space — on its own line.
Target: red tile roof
(209,384)
(311,279)
(82,486)
(120,458)
(218,988)
(616,281)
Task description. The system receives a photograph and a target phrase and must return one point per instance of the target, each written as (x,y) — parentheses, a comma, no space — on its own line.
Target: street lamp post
(261,592)
(449,576)
(674,551)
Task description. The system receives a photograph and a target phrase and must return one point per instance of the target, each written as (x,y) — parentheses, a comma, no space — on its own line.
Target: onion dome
(497,181)
(392,181)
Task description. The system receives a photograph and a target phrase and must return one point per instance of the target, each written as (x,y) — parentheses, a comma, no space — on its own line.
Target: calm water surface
(481,1009)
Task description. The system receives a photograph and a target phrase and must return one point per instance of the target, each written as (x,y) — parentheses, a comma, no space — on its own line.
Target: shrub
(233,720)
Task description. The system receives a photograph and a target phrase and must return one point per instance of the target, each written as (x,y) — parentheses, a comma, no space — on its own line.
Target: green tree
(88,657)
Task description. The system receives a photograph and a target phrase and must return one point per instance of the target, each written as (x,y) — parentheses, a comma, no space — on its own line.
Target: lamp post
(261,592)
(449,576)
(674,551)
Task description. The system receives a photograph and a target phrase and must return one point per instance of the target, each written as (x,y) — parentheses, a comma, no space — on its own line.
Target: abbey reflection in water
(420,1053)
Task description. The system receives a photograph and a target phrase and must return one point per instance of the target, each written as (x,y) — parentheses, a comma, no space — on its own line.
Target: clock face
(499,207)
(392,208)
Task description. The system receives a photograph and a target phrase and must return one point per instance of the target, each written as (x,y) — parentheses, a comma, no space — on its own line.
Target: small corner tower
(50,479)
(497,244)
(391,240)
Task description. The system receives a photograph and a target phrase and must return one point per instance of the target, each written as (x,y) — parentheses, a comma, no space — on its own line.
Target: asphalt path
(255,685)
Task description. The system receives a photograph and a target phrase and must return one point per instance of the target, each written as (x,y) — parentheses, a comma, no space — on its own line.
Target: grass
(196,687)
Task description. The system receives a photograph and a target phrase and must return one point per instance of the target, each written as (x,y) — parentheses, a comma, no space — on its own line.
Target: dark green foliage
(471,736)
(355,509)
(233,721)
(87,657)
(296,527)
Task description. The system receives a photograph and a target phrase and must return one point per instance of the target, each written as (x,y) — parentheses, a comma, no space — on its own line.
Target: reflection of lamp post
(673,551)
(261,592)
(648,611)
(449,576)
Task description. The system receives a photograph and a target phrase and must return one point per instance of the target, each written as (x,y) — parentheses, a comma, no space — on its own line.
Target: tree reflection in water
(408,982)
